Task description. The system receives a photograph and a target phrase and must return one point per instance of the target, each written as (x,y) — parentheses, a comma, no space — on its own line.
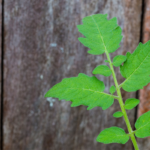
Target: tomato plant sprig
(104,36)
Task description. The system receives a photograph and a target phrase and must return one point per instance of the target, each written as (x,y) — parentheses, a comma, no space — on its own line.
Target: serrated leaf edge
(113,96)
(121,85)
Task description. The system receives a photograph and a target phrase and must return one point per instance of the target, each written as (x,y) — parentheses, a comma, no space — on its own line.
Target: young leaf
(118,114)
(106,61)
(103,70)
(121,70)
(101,34)
(82,90)
(131,103)
(118,60)
(128,54)
(142,126)
(113,135)
(112,89)
(136,69)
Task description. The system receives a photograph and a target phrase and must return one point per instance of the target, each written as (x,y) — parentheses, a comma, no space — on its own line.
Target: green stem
(131,133)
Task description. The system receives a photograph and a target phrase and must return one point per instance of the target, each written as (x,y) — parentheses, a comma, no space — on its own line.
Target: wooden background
(39,47)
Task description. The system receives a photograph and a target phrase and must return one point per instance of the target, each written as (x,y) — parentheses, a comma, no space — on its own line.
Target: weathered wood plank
(144,105)
(0,74)
(42,48)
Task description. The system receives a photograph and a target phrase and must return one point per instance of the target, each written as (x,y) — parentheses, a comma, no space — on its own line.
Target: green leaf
(112,89)
(101,34)
(82,90)
(121,68)
(136,69)
(122,72)
(128,54)
(106,61)
(118,60)
(103,70)
(118,114)
(113,135)
(131,103)
(142,126)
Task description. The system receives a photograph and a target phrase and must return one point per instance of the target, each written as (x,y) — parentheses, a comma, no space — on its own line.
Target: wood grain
(41,49)
(1,74)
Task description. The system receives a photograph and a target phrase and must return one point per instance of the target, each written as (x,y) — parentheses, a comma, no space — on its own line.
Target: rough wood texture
(144,105)
(42,48)
(0,73)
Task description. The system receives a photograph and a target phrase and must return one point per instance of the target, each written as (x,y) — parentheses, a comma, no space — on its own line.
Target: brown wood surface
(41,48)
(0,73)
(144,105)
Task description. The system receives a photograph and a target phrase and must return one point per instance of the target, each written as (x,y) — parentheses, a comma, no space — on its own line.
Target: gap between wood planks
(140,40)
